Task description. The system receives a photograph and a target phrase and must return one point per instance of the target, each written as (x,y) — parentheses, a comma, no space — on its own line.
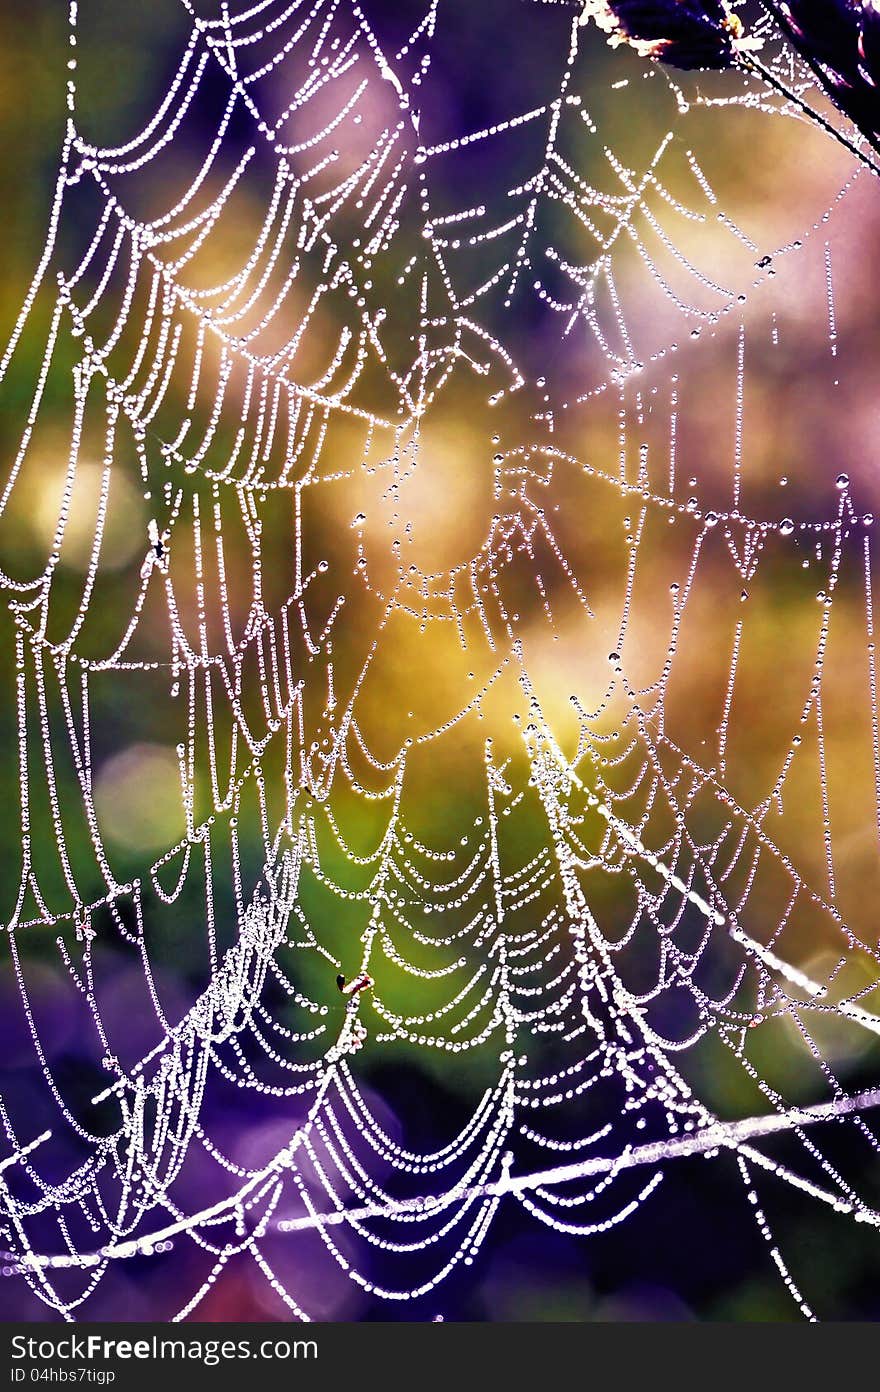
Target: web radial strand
(421,664)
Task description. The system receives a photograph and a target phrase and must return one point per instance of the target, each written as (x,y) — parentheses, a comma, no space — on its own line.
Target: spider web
(407,560)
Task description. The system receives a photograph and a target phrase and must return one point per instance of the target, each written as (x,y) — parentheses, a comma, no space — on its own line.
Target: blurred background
(722,358)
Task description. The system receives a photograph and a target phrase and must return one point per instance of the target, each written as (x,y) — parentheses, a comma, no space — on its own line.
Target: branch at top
(838,39)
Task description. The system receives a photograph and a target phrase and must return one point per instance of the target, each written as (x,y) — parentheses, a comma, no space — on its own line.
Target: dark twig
(839,40)
(833,42)
(750,63)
